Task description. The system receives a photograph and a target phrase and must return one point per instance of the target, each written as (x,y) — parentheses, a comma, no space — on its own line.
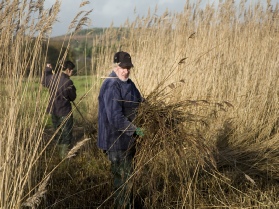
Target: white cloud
(107,11)
(117,11)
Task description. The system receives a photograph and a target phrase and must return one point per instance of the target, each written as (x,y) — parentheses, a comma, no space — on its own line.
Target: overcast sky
(117,11)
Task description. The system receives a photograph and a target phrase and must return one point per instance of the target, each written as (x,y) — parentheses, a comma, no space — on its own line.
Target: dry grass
(25,26)
(210,117)
(210,81)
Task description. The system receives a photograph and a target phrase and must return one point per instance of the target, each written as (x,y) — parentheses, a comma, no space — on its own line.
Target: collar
(114,76)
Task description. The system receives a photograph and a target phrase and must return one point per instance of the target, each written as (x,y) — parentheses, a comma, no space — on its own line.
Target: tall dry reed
(25,30)
(209,76)
(225,56)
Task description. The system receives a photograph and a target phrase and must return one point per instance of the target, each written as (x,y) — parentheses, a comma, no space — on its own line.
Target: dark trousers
(64,135)
(122,168)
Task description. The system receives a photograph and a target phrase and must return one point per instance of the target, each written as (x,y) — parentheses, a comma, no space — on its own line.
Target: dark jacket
(118,102)
(62,92)
(47,77)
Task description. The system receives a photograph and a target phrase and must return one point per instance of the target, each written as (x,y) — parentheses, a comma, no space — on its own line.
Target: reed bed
(24,32)
(209,77)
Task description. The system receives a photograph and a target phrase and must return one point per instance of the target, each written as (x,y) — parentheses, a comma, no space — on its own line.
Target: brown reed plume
(35,200)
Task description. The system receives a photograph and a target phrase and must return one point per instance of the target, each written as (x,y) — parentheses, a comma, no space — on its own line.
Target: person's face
(69,72)
(122,73)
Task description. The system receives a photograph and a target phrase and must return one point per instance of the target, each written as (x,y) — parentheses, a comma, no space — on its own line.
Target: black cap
(123,58)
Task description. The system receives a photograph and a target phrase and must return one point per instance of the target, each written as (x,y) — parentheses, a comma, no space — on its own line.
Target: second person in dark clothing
(62,91)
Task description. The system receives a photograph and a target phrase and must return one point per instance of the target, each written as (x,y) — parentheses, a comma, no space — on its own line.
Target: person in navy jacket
(119,100)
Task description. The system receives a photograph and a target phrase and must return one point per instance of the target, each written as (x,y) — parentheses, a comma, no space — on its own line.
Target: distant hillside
(82,34)
(80,45)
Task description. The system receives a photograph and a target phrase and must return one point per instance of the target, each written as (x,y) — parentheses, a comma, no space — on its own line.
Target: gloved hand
(139,132)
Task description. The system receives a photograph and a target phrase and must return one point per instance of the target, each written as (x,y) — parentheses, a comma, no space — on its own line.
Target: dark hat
(123,58)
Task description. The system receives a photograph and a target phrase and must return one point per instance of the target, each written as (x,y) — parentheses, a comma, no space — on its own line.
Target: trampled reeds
(177,145)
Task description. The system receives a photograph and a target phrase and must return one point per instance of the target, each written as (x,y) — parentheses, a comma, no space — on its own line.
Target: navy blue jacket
(62,92)
(118,103)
